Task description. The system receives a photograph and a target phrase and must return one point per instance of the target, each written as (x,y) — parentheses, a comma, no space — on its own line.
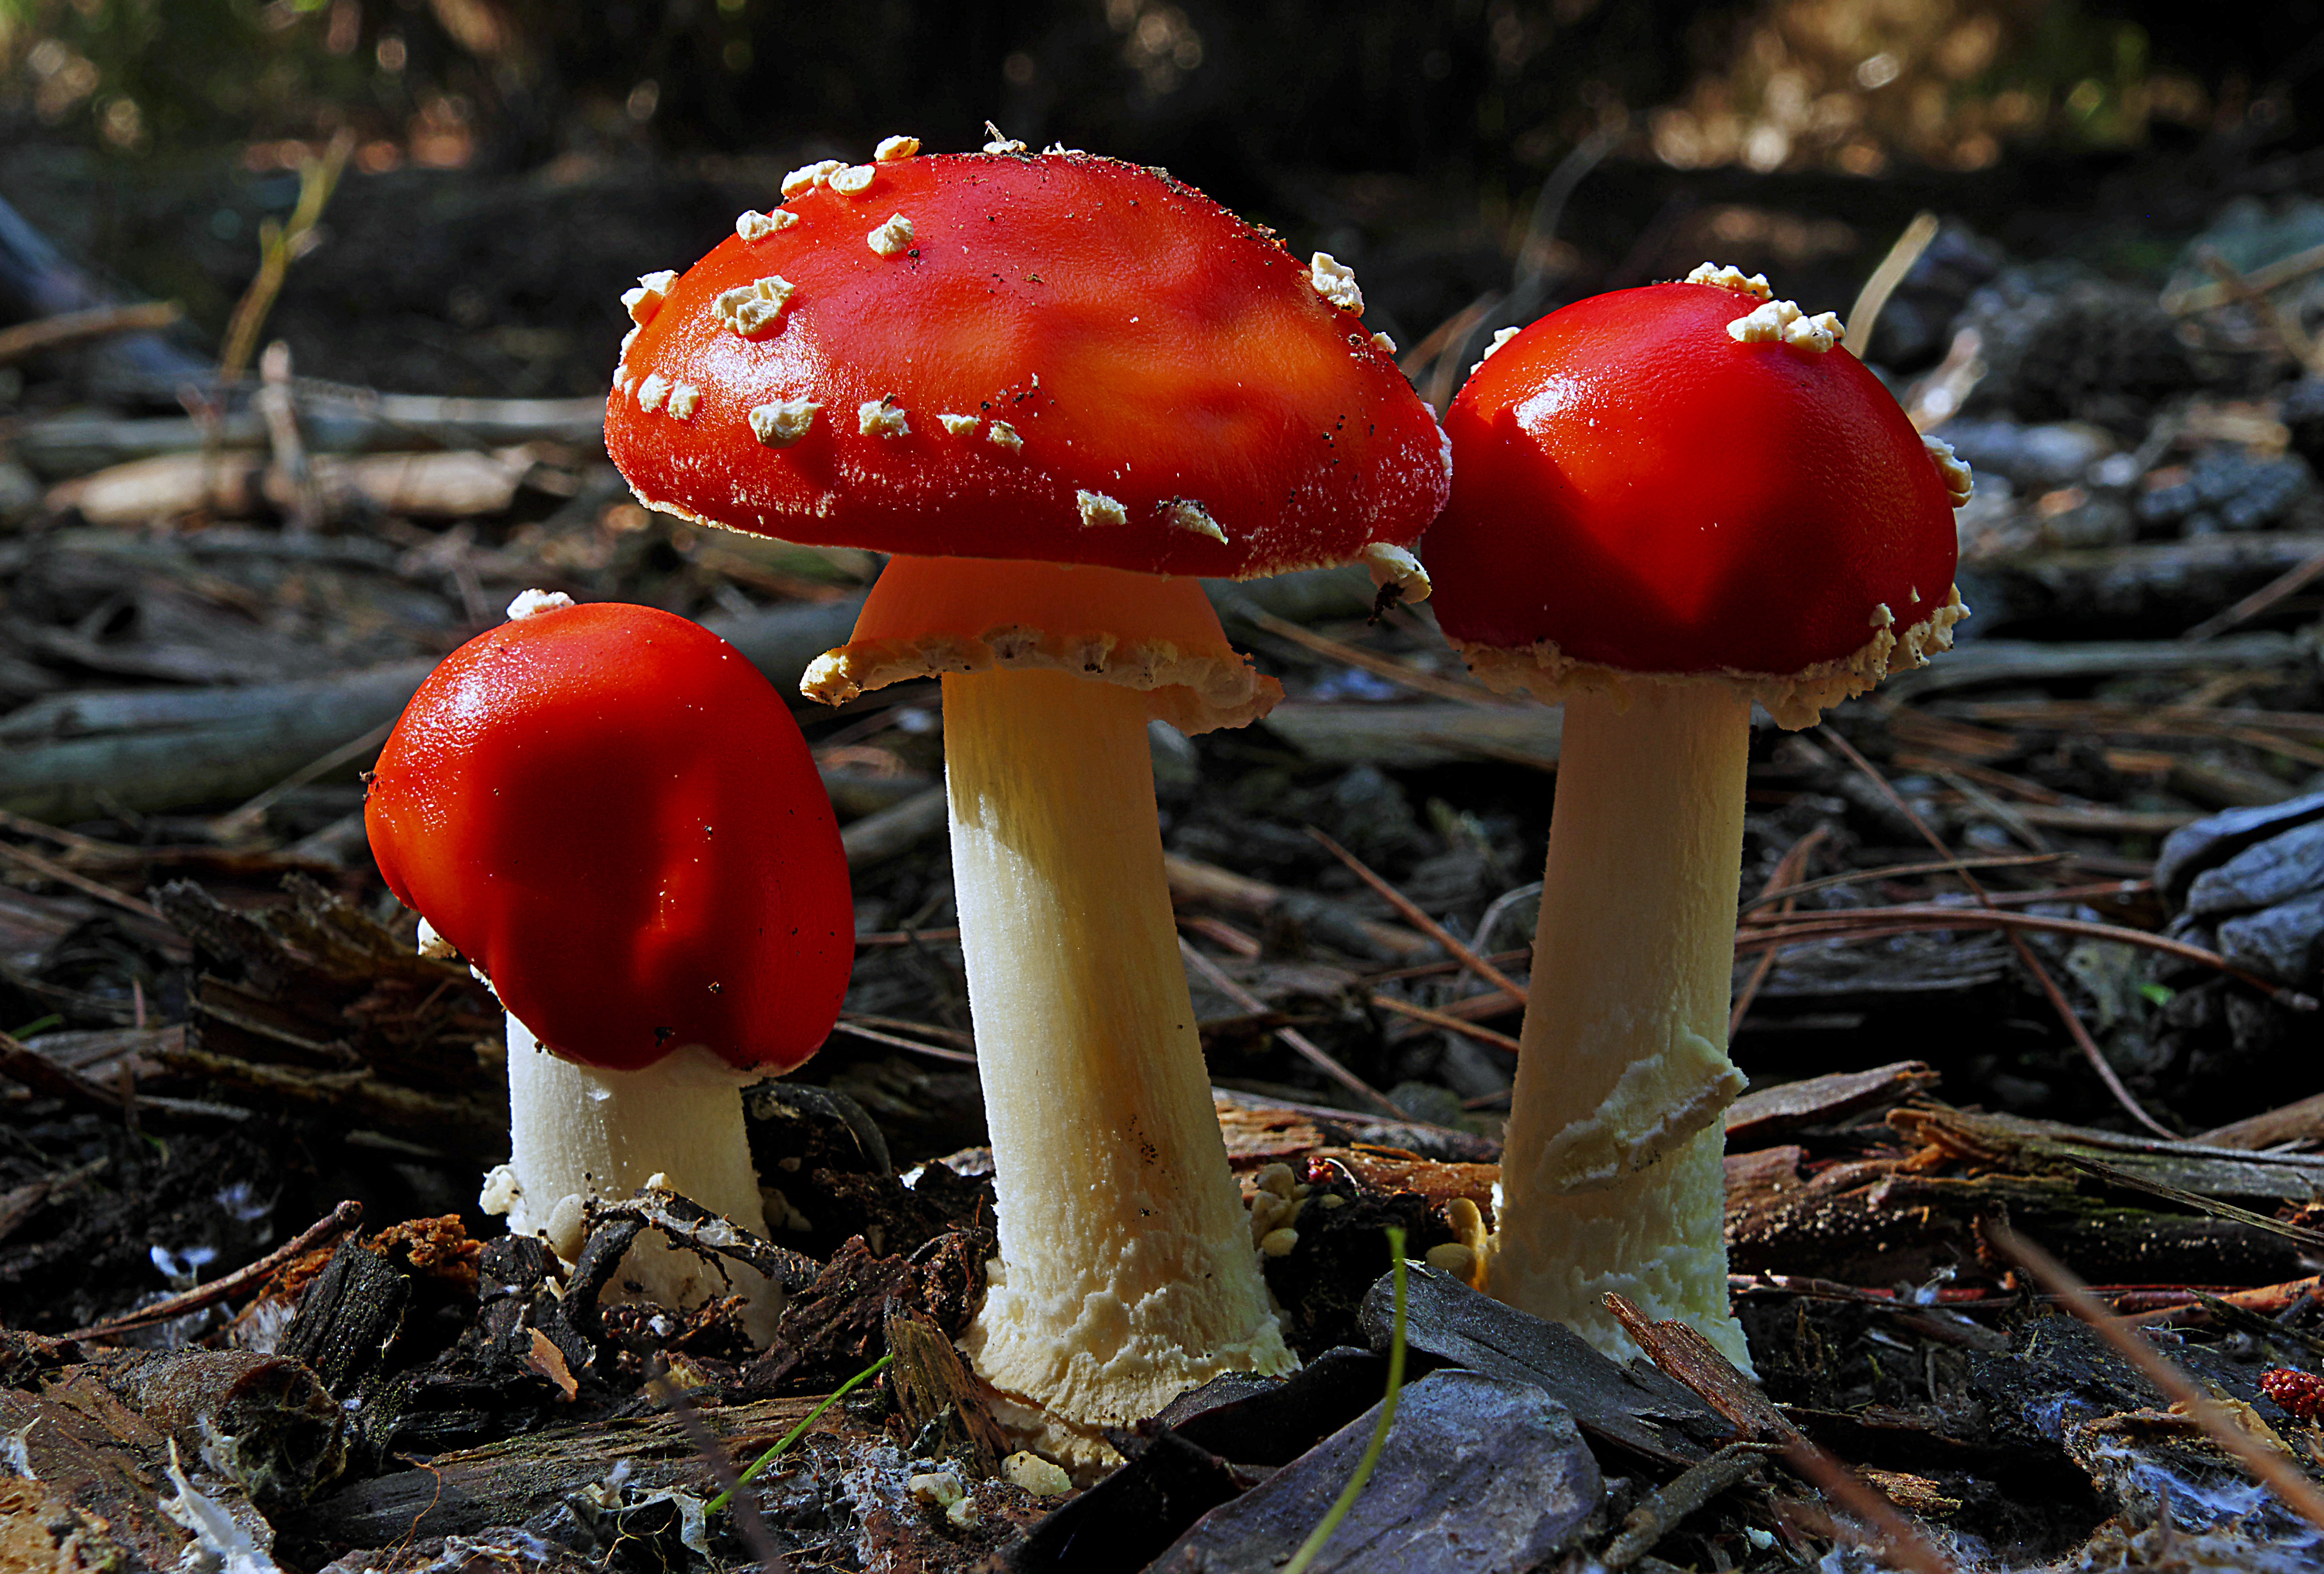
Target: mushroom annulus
(611,813)
(1057,387)
(1667,503)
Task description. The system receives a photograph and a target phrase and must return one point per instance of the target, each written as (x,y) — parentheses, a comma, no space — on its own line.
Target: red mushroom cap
(1648,494)
(1081,360)
(611,813)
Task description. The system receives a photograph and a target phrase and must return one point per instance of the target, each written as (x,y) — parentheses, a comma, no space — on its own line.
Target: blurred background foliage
(152,135)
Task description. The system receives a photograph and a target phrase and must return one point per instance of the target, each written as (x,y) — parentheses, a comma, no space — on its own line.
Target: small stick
(1890,274)
(2276,1471)
(2289,581)
(330,1227)
(1371,661)
(48,870)
(1420,920)
(1485,1035)
(1322,1058)
(1786,873)
(73,328)
(2058,1001)
(1685,1356)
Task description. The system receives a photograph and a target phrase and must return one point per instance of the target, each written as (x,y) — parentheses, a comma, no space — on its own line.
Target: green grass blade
(1314,1544)
(838,1393)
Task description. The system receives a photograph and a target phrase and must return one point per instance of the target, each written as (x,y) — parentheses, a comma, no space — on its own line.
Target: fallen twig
(73,328)
(1420,920)
(346,1217)
(1323,1059)
(1786,873)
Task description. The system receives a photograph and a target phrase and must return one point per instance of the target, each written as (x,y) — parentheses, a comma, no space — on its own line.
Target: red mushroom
(612,814)
(1057,386)
(1669,502)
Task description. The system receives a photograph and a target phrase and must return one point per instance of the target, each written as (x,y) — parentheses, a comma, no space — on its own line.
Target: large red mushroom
(611,813)
(1056,387)
(1669,502)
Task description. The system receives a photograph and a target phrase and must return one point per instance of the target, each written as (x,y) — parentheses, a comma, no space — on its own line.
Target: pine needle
(798,1431)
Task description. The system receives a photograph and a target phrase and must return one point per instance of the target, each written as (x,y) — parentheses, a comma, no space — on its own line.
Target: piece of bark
(517,1480)
(944,1412)
(1127,1520)
(1479,1475)
(1767,1115)
(2048,1148)
(1642,1411)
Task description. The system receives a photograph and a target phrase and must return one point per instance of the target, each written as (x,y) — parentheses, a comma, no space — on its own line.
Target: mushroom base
(1127,1273)
(579,1132)
(1611,1177)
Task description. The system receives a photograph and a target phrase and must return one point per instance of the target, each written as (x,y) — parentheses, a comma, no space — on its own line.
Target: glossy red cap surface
(1145,347)
(611,813)
(1632,484)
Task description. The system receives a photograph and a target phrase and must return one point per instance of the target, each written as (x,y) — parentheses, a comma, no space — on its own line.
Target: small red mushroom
(1057,387)
(1668,502)
(612,814)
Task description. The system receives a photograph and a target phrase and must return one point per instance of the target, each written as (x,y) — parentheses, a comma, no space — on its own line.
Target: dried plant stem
(281,244)
(1786,873)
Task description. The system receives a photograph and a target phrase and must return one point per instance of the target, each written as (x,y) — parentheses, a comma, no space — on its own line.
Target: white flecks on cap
(853,180)
(1500,336)
(753,307)
(1729,278)
(1004,436)
(529,604)
(1383,344)
(754,226)
(621,381)
(994,142)
(1882,618)
(432,946)
(807,177)
(1959,481)
(958,425)
(882,418)
(783,423)
(1390,565)
(646,299)
(1097,508)
(1336,282)
(892,237)
(1445,451)
(1184,514)
(1819,333)
(627,340)
(892,148)
(1781,322)
(683,399)
(652,392)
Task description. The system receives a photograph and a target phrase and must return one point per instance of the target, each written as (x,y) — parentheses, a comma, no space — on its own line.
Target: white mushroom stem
(577,1132)
(1612,1176)
(1125,1274)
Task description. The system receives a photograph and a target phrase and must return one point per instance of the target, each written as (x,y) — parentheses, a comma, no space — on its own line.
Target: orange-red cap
(1054,357)
(611,812)
(1691,480)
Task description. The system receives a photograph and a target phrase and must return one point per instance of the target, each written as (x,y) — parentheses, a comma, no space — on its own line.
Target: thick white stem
(577,1132)
(1126,1272)
(1612,1176)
